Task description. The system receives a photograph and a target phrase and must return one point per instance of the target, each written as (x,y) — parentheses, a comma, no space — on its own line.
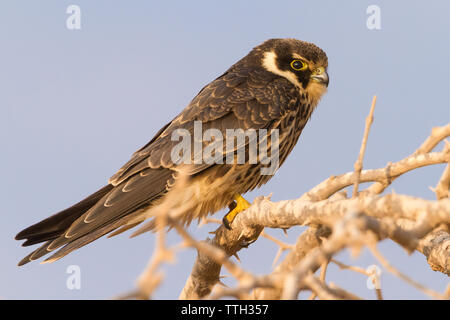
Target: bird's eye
(298,65)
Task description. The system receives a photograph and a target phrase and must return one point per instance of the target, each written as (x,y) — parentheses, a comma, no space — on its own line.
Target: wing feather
(242,98)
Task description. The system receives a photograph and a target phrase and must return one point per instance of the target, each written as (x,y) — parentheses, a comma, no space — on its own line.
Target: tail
(54,226)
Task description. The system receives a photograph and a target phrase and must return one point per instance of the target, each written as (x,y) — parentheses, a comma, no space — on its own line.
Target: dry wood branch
(282,246)
(436,247)
(324,292)
(151,277)
(437,135)
(359,163)
(352,268)
(383,176)
(323,272)
(334,223)
(384,213)
(264,213)
(401,275)
(343,293)
(347,231)
(353,231)
(288,213)
(443,186)
(306,242)
(205,274)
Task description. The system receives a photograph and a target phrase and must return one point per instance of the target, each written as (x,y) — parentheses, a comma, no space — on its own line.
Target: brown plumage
(276,86)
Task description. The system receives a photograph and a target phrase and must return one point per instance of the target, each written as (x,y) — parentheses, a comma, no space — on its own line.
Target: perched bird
(274,87)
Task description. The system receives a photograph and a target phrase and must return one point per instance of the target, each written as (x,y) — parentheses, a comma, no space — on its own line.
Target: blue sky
(75,104)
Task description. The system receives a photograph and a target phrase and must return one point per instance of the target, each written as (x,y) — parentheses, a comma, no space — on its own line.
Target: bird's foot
(238,205)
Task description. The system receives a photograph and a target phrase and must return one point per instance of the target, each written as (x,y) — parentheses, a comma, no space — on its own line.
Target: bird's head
(302,63)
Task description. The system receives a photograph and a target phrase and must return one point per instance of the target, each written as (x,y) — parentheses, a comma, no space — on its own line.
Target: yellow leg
(240,205)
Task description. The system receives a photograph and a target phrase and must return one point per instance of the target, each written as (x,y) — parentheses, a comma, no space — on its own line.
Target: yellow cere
(319,70)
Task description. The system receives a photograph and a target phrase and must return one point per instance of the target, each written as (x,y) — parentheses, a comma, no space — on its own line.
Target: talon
(246,242)
(226,223)
(238,205)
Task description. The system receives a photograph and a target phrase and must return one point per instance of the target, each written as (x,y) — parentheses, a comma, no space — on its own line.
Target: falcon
(274,88)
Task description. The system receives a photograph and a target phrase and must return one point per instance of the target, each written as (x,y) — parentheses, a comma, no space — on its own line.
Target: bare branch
(325,292)
(306,242)
(443,186)
(401,275)
(383,176)
(437,135)
(334,222)
(359,163)
(436,247)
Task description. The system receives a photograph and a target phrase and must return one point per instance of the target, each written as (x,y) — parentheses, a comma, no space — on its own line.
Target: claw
(226,223)
(246,242)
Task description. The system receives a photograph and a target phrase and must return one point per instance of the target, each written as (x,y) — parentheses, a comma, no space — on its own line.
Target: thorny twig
(359,163)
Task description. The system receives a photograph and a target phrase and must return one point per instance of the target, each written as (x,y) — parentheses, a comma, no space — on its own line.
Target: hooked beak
(321,76)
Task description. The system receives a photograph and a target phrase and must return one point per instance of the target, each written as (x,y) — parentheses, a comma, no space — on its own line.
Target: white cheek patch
(269,63)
